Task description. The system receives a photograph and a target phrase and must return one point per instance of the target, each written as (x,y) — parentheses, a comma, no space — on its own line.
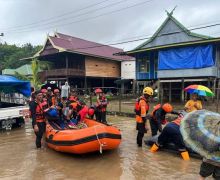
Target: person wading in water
(38,119)
(141,110)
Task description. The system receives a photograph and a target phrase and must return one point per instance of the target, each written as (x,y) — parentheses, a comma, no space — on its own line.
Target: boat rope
(101,145)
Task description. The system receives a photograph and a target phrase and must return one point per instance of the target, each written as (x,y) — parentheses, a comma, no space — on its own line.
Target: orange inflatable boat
(95,137)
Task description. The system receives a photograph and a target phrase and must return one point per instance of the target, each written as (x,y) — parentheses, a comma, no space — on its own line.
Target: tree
(10,55)
(36,67)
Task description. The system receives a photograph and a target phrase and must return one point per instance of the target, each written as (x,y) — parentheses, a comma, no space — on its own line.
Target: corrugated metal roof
(24,70)
(86,47)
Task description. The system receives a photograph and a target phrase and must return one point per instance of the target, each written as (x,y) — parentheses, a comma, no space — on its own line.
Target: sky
(103,21)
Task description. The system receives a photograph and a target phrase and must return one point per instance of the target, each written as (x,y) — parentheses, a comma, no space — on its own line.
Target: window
(144,65)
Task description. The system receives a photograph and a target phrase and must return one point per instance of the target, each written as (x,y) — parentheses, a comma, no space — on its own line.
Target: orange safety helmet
(74,105)
(56,91)
(98,90)
(167,107)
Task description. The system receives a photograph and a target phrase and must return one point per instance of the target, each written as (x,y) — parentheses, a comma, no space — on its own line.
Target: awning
(10,84)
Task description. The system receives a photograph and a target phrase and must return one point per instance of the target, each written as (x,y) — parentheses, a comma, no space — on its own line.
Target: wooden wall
(98,67)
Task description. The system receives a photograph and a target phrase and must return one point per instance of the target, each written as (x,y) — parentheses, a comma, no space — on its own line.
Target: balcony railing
(62,73)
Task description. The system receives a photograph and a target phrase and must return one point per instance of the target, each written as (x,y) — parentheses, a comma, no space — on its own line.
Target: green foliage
(36,66)
(22,77)
(10,55)
(35,80)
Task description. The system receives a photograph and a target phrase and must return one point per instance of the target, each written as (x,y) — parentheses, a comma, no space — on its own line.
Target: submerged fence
(124,102)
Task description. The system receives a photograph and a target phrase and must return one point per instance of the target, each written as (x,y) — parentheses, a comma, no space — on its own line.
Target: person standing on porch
(65,90)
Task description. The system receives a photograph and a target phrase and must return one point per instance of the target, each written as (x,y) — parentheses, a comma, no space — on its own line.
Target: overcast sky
(108,21)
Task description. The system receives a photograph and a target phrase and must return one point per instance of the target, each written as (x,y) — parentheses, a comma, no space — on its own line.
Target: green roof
(24,70)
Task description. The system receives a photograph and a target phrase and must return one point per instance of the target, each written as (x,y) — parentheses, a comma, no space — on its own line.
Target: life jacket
(40,112)
(138,109)
(177,121)
(158,106)
(83,112)
(54,101)
(103,104)
(73,98)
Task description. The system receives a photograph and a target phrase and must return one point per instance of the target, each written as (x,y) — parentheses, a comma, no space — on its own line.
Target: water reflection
(20,160)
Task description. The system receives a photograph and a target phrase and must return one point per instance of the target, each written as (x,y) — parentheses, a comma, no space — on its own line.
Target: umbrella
(201,132)
(199,89)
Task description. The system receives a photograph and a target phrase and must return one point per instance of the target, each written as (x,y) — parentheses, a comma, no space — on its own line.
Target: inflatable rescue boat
(94,137)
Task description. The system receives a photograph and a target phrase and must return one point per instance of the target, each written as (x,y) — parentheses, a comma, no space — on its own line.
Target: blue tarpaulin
(186,58)
(10,84)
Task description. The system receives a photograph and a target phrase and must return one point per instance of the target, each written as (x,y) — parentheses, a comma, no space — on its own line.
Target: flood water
(19,159)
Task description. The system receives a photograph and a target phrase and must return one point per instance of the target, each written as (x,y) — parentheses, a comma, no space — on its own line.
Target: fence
(124,103)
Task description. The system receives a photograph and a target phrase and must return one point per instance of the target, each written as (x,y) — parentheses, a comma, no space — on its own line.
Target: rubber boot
(185,155)
(154,148)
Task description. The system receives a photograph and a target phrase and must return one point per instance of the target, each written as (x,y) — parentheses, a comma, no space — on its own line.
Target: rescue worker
(38,119)
(193,104)
(141,110)
(158,117)
(101,106)
(73,96)
(77,113)
(171,134)
(49,95)
(44,92)
(56,98)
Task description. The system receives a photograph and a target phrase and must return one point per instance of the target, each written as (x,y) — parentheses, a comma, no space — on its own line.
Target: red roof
(85,47)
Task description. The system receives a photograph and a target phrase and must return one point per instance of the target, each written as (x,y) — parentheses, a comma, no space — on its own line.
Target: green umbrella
(201,132)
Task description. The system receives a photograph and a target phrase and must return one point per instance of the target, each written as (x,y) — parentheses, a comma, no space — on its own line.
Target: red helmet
(43,90)
(167,107)
(91,111)
(98,90)
(56,91)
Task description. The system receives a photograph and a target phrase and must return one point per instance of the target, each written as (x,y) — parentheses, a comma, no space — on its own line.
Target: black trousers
(40,133)
(101,116)
(153,126)
(171,133)
(141,130)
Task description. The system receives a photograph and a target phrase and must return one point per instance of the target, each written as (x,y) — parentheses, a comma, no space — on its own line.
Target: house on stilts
(174,57)
(84,64)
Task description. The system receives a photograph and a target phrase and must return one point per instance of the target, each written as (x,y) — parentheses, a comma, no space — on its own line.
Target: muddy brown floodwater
(20,160)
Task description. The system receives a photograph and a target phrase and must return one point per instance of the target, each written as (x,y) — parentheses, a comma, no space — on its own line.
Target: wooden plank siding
(98,67)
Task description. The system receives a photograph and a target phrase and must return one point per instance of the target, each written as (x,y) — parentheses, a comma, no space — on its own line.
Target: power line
(140,39)
(55,17)
(72,17)
(86,19)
